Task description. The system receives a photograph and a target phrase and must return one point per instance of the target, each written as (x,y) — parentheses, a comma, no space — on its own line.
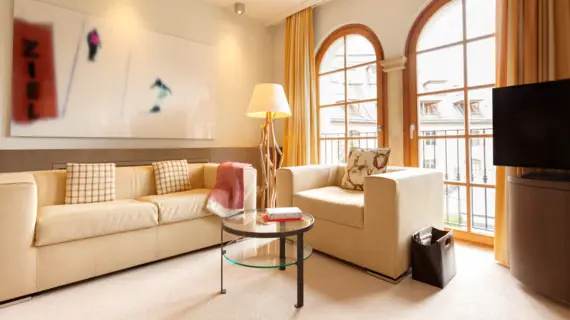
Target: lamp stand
(271,160)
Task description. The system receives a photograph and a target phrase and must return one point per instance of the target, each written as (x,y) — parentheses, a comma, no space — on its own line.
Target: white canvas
(112,96)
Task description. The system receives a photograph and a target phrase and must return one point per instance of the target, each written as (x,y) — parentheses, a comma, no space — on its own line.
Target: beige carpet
(187,288)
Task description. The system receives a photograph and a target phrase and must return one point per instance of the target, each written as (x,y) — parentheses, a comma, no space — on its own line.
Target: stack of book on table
(282,214)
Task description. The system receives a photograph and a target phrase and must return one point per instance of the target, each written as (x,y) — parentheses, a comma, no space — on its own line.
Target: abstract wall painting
(94,43)
(33,87)
(76,75)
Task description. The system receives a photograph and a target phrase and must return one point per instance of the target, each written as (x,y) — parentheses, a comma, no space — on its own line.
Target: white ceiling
(269,11)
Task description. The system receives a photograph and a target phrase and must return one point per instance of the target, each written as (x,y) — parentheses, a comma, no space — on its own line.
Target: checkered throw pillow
(171,176)
(90,183)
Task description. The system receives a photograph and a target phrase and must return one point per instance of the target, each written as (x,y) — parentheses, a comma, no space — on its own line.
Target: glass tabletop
(263,253)
(250,224)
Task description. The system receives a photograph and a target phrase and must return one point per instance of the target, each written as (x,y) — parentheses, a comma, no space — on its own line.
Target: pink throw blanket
(227,197)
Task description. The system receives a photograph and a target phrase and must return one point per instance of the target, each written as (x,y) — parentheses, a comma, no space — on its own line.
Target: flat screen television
(531,125)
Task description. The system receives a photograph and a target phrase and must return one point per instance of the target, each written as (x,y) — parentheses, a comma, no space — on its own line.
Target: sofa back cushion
(135,182)
(51,187)
(131,183)
(341,169)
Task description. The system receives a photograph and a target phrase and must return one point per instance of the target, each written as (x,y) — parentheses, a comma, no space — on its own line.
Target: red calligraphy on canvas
(33,73)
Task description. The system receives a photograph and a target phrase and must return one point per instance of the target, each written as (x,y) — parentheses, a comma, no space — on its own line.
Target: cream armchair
(373,228)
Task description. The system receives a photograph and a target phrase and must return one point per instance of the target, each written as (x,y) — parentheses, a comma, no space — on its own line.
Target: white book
(284,211)
(284,216)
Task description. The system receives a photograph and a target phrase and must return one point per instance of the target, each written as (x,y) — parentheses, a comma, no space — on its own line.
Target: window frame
(412,137)
(381,82)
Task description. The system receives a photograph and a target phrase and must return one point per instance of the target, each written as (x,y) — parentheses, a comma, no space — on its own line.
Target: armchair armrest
(396,204)
(18,209)
(296,179)
(249,183)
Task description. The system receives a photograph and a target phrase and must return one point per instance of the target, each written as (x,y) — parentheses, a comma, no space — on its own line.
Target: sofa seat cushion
(333,204)
(61,223)
(180,206)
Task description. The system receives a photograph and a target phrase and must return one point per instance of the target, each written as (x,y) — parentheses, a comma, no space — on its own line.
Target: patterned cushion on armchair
(362,163)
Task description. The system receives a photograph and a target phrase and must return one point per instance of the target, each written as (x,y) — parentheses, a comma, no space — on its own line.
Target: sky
(446,27)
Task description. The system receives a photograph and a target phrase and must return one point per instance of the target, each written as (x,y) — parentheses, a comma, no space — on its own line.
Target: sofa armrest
(296,179)
(18,208)
(398,203)
(249,183)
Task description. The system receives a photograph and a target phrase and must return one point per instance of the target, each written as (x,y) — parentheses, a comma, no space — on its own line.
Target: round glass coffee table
(266,244)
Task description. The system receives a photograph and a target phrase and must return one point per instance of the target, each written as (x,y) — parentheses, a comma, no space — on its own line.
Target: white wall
(244,57)
(391,20)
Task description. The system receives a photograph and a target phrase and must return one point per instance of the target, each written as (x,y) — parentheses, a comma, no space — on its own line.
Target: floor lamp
(269,101)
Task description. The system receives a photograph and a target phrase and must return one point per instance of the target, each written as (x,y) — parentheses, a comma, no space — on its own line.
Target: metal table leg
(300,262)
(282,252)
(222,252)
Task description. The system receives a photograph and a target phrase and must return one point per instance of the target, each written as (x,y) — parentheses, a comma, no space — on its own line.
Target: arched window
(451,65)
(351,93)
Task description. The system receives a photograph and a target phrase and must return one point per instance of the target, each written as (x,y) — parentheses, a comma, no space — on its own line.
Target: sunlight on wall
(230,56)
(125,19)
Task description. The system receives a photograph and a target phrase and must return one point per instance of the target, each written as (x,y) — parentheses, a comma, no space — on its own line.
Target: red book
(266,219)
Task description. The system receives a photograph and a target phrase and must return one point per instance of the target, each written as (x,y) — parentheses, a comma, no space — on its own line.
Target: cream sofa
(46,244)
(373,228)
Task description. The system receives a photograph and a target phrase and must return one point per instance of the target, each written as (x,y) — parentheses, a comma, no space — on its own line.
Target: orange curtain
(300,143)
(533,45)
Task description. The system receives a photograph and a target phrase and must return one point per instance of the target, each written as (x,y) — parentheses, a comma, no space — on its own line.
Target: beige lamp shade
(268,98)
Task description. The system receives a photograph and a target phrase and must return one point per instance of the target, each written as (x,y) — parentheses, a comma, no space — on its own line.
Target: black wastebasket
(433,256)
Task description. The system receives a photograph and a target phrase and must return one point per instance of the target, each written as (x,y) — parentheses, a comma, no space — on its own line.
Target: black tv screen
(531,125)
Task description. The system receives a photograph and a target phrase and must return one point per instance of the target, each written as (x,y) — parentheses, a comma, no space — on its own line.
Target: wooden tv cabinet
(539,213)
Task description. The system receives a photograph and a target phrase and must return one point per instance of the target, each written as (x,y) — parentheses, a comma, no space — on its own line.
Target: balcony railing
(333,147)
(447,155)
